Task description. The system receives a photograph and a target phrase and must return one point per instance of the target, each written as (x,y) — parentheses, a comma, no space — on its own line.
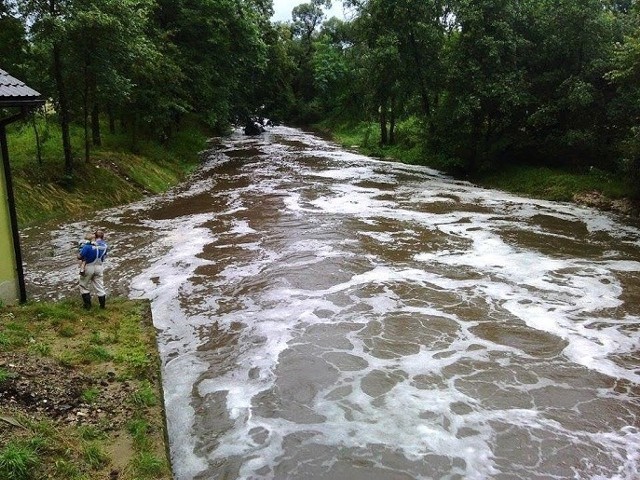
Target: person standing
(93,255)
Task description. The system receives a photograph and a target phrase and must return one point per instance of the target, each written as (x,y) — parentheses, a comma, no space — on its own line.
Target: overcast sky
(282,9)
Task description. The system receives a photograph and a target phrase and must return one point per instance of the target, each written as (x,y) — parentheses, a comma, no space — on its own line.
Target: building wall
(9,289)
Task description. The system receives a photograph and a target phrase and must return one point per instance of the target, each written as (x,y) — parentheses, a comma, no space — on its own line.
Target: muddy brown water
(324,315)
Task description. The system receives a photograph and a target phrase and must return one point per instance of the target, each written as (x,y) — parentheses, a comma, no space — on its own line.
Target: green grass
(56,311)
(365,137)
(139,428)
(144,396)
(4,375)
(66,331)
(148,465)
(34,446)
(118,172)
(90,395)
(41,349)
(18,460)
(13,334)
(554,184)
(129,351)
(96,353)
(89,432)
(95,456)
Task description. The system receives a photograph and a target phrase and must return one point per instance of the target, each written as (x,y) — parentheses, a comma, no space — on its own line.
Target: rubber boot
(86,300)
(103,301)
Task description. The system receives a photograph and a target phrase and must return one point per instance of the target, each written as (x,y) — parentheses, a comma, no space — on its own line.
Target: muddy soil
(38,387)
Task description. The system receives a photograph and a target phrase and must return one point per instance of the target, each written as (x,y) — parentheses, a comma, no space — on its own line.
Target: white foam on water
(179,374)
(550,294)
(241,227)
(401,362)
(356,174)
(164,283)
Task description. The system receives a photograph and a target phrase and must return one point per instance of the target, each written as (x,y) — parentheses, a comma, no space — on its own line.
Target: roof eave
(21,102)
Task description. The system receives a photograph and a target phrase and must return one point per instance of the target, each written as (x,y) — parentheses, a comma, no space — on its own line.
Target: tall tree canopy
(143,62)
(486,82)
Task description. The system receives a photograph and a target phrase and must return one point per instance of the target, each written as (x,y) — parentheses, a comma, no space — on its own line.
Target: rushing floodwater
(324,315)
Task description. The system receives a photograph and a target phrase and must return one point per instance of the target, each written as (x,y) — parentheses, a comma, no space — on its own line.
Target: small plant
(18,460)
(68,359)
(97,338)
(95,456)
(66,469)
(42,349)
(96,353)
(4,375)
(67,331)
(139,430)
(137,361)
(45,429)
(89,432)
(147,465)
(56,323)
(14,335)
(90,395)
(145,396)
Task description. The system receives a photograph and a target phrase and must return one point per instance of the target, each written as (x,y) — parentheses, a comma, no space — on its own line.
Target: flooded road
(323,315)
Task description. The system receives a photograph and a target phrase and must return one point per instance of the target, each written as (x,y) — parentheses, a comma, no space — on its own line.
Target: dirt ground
(597,200)
(44,393)
(40,386)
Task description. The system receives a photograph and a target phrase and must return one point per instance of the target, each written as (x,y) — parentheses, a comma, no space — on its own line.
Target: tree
(307,17)
(103,39)
(567,118)
(332,75)
(625,109)
(485,99)
(306,21)
(48,29)
(275,86)
(220,83)
(13,42)
(401,44)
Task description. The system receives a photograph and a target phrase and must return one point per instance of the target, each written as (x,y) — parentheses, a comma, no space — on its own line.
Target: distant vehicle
(256,126)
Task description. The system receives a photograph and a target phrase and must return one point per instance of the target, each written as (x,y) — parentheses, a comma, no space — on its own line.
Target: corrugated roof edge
(14,91)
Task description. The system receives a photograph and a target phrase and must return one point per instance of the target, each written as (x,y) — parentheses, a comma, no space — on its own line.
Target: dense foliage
(476,84)
(142,64)
(489,83)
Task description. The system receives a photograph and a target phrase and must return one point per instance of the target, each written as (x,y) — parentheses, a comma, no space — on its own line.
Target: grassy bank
(530,180)
(117,172)
(80,393)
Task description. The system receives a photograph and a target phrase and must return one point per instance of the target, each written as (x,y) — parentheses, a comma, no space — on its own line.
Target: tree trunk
(476,141)
(63,101)
(63,106)
(424,94)
(384,138)
(37,135)
(95,125)
(392,122)
(134,133)
(112,120)
(85,112)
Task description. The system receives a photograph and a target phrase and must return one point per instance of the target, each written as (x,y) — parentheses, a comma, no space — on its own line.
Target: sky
(283,9)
